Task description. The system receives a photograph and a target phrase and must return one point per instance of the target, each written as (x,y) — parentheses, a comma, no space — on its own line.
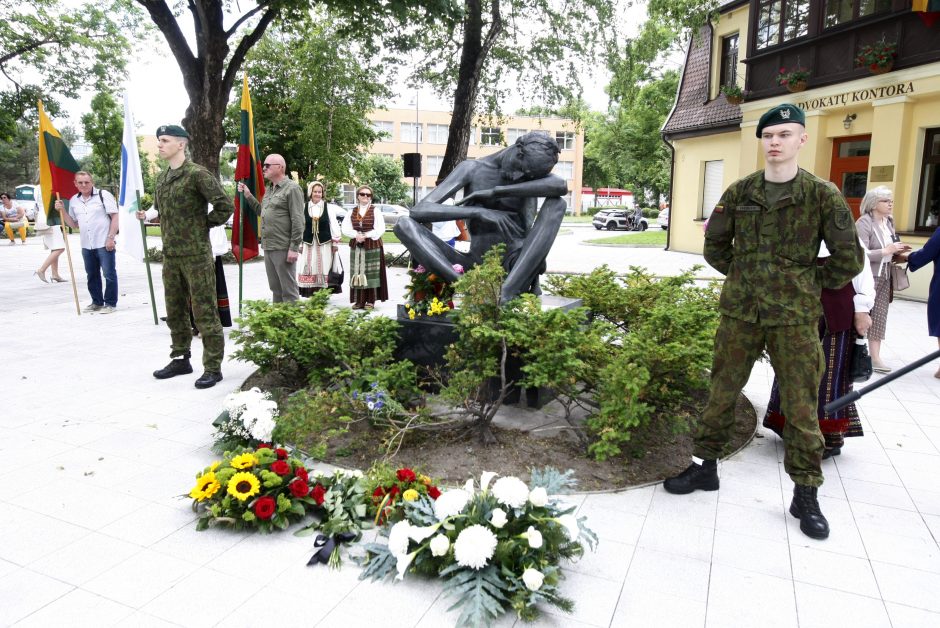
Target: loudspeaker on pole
(412,163)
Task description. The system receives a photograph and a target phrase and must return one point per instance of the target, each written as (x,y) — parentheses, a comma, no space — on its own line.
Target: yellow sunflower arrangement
(206,486)
(264,489)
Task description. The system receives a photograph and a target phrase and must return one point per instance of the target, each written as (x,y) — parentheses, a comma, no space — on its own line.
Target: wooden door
(849,168)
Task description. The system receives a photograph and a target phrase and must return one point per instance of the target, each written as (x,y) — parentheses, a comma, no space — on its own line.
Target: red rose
(280,467)
(393,491)
(406,475)
(264,446)
(433,492)
(318,494)
(299,488)
(264,508)
(281,453)
(301,473)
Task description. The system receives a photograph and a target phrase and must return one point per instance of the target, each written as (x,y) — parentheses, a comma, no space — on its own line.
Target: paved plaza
(95,456)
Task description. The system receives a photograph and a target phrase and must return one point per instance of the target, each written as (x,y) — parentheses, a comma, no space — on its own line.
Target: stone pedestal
(425,340)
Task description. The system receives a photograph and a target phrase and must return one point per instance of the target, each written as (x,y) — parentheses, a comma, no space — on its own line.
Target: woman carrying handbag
(321,243)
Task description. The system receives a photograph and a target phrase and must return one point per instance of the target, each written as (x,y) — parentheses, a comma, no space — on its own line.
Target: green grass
(651,237)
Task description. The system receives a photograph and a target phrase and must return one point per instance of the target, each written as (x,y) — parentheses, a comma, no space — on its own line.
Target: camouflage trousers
(797,359)
(191,279)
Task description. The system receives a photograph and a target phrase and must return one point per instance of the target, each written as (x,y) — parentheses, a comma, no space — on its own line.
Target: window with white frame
(491,136)
(513,134)
(712,186)
(408,132)
(437,133)
(565,140)
(434,165)
(564,169)
(384,128)
(473,136)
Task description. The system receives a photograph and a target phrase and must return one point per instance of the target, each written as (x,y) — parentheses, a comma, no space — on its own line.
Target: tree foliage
(384,174)
(312,110)
(104,128)
(47,50)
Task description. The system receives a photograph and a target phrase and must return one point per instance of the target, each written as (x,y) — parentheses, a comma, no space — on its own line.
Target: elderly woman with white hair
(876,230)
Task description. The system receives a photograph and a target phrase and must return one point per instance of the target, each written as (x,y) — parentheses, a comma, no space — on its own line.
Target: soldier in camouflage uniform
(764,235)
(183,192)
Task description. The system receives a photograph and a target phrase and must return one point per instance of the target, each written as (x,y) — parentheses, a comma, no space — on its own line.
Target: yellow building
(865,128)
(425,132)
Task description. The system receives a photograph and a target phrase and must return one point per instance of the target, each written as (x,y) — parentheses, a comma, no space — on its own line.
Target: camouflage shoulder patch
(843,219)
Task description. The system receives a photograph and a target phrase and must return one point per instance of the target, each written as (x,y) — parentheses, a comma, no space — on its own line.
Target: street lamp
(417,166)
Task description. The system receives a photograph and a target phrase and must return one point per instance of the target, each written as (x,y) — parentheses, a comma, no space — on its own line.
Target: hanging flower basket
(878,57)
(793,79)
(733,94)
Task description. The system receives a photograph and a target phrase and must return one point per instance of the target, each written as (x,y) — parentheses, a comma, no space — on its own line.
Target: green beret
(172,129)
(781,114)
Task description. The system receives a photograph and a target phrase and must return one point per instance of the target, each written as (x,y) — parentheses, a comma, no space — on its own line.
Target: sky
(157,95)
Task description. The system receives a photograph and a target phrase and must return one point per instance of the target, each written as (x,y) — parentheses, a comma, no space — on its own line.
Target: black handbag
(335,277)
(860,364)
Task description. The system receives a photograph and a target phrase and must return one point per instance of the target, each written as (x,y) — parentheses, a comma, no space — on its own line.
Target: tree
(312,110)
(46,50)
(384,176)
(527,46)
(210,72)
(104,129)
(19,158)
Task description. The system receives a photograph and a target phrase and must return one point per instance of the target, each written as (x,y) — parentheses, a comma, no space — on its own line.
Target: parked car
(663,218)
(611,219)
(391,213)
(28,197)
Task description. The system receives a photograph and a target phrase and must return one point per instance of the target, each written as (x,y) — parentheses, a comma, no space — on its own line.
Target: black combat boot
(208,379)
(177,366)
(698,476)
(805,507)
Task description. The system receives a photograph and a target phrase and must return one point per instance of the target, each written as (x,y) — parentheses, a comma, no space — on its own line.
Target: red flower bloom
(281,453)
(280,467)
(301,473)
(299,488)
(393,491)
(264,508)
(264,446)
(406,475)
(433,492)
(318,494)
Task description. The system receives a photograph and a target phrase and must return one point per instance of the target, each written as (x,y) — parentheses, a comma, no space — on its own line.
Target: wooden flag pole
(241,245)
(68,255)
(143,235)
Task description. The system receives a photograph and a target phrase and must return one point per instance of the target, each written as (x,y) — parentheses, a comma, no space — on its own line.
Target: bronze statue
(499,206)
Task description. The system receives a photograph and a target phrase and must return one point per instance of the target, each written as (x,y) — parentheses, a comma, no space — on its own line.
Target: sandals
(370,306)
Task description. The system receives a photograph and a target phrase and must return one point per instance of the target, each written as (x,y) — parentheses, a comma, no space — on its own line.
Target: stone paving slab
(95,455)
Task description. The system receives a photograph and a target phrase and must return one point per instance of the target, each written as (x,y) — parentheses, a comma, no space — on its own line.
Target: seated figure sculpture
(499,206)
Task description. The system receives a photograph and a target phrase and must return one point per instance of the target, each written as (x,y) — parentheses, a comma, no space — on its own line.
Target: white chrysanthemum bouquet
(248,419)
(497,547)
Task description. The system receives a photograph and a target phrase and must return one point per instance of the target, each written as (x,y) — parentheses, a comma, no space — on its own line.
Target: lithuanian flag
(57,168)
(928,10)
(248,171)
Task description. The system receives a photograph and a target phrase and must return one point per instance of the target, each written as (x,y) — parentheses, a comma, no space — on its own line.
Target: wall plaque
(881,174)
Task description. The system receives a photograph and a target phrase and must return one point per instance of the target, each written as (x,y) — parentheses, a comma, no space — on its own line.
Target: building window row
(488,136)
(780,21)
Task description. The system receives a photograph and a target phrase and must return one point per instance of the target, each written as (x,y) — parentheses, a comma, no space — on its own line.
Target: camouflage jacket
(182,197)
(768,254)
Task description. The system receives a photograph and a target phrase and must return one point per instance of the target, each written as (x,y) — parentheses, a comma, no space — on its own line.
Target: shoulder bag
(334,278)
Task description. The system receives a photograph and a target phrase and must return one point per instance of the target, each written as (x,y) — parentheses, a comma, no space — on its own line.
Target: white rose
(439,545)
(538,497)
(570,522)
(398,538)
(534,536)
(498,518)
(533,579)
(485,479)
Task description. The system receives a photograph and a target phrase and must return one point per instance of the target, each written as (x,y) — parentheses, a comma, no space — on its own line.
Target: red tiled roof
(693,110)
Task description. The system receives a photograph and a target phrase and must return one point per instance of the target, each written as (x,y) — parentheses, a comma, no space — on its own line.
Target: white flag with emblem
(131,241)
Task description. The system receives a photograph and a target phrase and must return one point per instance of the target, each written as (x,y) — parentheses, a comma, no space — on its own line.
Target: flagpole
(143,234)
(241,245)
(68,256)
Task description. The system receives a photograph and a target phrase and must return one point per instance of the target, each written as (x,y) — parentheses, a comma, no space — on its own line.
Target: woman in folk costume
(365,227)
(845,318)
(321,241)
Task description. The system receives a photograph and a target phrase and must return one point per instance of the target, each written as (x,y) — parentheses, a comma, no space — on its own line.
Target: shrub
(311,418)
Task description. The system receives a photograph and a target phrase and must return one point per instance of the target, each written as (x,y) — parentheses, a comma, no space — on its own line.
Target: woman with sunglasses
(13,219)
(365,226)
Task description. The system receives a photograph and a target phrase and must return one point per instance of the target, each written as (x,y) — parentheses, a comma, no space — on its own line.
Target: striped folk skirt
(836,382)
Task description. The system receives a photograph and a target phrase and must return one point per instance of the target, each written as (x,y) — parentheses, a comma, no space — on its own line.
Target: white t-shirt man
(93,217)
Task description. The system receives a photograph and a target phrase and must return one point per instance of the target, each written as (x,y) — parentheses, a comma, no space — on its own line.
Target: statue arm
(547,187)
(432,208)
